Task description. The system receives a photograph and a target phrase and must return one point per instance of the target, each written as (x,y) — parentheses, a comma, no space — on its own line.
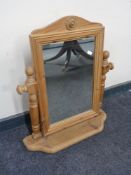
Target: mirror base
(66,137)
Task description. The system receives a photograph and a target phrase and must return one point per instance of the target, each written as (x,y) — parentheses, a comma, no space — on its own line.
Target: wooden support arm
(30,87)
(106,66)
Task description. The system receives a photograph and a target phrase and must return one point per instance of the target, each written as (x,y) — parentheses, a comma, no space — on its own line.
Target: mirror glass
(69,77)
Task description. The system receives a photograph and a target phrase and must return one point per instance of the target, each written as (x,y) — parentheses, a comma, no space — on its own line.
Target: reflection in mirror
(69,77)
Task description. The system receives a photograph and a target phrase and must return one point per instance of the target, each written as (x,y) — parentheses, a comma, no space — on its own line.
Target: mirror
(65,83)
(69,77)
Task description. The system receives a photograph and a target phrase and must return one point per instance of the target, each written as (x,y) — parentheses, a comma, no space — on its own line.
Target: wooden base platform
(66,137)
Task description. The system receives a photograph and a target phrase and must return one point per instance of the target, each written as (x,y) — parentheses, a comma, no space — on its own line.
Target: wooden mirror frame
(57,136)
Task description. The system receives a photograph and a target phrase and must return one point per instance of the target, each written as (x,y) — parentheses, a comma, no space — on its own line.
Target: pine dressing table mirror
(65,84)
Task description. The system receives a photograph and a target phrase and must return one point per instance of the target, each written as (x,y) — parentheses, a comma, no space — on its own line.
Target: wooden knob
(106,54)
(29,71)
(21,89)
(111,66)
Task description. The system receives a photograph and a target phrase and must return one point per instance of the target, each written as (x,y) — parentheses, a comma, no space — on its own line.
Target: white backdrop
(19,18)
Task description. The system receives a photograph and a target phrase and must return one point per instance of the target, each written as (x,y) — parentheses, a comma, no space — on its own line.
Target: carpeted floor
(108,153)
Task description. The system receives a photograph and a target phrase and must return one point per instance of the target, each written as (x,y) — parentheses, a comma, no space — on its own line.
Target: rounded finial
(29,71)
(106,54)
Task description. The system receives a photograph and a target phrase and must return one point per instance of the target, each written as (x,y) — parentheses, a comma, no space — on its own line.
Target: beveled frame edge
(36,43)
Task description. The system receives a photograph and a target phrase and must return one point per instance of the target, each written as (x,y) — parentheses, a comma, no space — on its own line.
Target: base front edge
(66,137)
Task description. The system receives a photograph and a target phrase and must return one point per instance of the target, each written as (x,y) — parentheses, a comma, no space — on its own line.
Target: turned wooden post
(106,66)
(30,86)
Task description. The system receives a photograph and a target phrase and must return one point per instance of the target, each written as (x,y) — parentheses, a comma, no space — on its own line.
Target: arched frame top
(66,24)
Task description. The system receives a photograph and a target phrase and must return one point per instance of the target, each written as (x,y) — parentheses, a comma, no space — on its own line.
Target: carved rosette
(71,23)
(30,86)
(106,66)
